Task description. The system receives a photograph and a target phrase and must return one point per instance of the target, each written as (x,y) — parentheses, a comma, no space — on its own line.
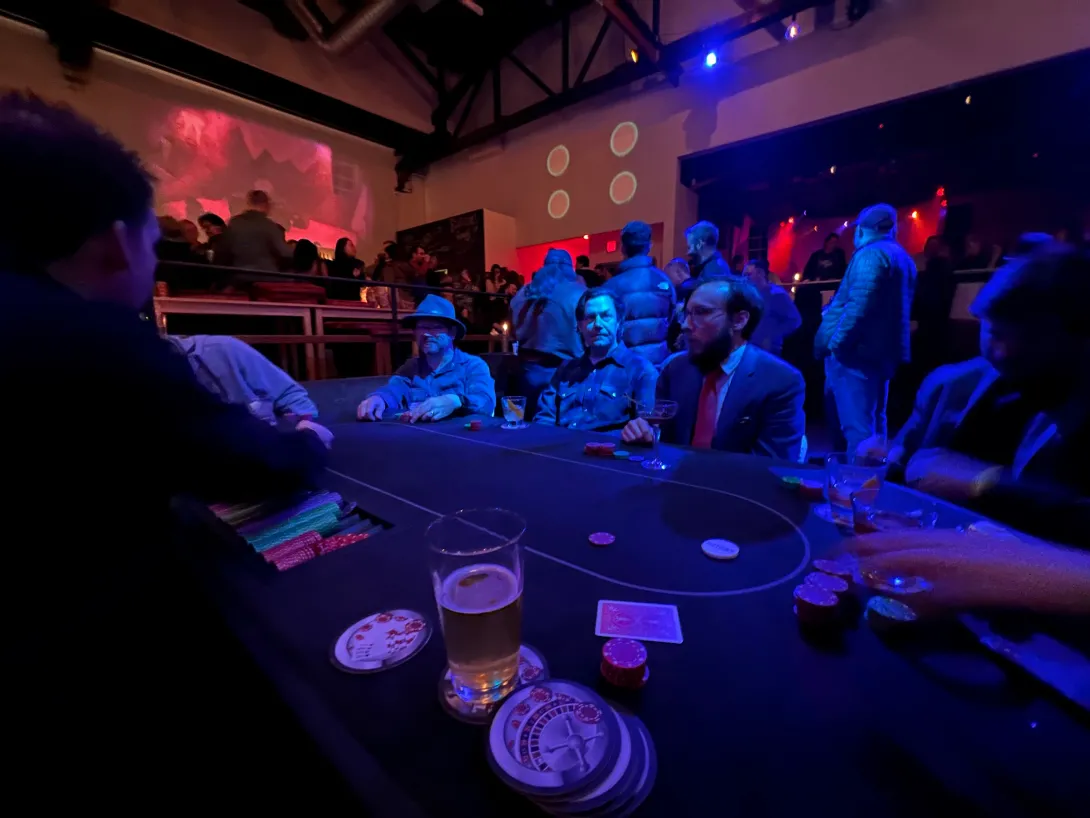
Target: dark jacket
(649,300)
(600,397)
(1046,490)
(762,411)
(714,266)
(822,266)
(866,325)
(544,310)
(111,424)
(254,241)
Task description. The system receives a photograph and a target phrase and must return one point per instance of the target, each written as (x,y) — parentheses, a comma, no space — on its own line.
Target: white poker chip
(719,549)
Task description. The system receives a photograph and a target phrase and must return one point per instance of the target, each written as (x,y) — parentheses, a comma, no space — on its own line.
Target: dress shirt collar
(732,361)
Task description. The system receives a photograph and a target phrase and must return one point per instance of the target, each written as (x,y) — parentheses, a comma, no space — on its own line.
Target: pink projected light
(559,202)
(622,188)
(624,138)
(558,160)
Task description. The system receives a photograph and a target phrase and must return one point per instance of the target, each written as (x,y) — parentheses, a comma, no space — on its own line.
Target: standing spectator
(464,304)
(705,260)
(780,317)
(646,294)
(192,235)
(172,244)
(677,270)
(305,259)
(344,263)
(737,264)
(864,334)
(590,277)
(828,263)
(931,306)
(493,279)
(252,240)
(543,313)
(400,271)
(976,258)
(213,227)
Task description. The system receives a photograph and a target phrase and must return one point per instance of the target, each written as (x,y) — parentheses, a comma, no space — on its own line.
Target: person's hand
(979,570)
(434,409)
(318,429)
(371,408)
(952,476)
(638,431)
(874,446)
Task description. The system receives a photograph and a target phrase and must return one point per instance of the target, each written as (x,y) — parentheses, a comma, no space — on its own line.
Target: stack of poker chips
(821,601)
(571,753)
(624,663)
(290,533)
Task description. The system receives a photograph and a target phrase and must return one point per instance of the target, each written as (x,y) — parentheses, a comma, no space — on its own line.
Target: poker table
(749,716)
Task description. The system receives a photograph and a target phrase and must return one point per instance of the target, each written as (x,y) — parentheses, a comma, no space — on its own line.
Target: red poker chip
(828,582)
(607,449)
(618,680)
(624,653)
(601,538)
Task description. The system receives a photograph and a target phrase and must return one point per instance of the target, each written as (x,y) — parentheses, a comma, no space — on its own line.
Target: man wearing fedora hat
(441,380)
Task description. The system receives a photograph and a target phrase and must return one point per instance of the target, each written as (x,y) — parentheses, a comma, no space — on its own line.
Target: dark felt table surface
(749,718)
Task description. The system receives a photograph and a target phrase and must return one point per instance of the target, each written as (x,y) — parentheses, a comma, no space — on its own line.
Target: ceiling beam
(672,54)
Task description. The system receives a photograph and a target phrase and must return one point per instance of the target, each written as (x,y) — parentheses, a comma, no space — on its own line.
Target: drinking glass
(476,571)
(655,412)
(514,410)
(872,511)
(845,474)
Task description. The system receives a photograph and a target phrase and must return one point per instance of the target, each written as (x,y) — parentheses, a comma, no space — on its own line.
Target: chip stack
(570,752)
(624,663)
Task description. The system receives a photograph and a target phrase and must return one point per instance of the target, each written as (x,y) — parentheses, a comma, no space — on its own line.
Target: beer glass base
(475,710)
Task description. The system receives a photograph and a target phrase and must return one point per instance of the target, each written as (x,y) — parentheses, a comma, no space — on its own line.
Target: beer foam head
(480,589)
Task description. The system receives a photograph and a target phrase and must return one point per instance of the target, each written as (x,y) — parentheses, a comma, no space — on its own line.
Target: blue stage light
(710,60)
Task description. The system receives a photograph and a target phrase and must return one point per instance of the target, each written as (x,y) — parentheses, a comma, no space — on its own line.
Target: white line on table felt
(668,591)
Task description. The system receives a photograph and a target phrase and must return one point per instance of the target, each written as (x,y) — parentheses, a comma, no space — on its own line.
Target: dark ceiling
(1028,127)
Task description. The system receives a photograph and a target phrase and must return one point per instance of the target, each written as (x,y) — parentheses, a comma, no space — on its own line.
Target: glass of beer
(476,571)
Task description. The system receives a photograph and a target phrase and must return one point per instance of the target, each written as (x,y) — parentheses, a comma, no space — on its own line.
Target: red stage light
(791,220)
(940,192)
(915,214)
(943,203)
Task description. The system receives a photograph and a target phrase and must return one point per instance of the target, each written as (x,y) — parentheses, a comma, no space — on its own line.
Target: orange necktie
(706,412)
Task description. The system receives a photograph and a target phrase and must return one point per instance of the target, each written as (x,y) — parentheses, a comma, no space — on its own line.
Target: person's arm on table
(394,395)
(784,422)
(480,396)
(216,451)
(976,570)
(260,376)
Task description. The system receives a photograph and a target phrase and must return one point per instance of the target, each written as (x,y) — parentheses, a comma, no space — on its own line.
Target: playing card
(638,620)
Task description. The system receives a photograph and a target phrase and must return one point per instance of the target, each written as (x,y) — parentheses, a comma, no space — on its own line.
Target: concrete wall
(208,148)
(900,49)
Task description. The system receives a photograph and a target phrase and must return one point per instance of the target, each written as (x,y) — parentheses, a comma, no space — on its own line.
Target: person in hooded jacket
(543,313)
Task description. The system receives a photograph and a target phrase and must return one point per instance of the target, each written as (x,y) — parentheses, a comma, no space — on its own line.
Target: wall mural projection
(206,160)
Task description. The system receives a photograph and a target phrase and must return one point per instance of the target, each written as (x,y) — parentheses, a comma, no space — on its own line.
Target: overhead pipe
(346,34)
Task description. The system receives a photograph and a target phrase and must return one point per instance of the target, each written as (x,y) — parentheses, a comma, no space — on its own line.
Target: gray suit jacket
(1045,490)
(762,412)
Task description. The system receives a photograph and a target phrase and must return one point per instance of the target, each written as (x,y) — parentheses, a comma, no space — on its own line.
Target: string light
(792,29)
(815,228)
(586,237)
(969,99)
(881,125)
(710,59)
(791,220)
(798,276)
(633,55)
(915,214)
(832,169)
(844,225)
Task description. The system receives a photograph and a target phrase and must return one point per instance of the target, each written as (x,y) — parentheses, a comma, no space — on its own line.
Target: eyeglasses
(699,314)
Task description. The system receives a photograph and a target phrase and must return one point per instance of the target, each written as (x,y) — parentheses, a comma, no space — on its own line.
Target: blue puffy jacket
(866,325)
(649,300)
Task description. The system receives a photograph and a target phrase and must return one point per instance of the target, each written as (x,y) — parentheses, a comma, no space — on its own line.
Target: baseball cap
(880,217)
(636,234)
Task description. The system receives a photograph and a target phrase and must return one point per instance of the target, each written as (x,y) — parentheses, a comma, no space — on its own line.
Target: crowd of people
(119,421)
(252,240)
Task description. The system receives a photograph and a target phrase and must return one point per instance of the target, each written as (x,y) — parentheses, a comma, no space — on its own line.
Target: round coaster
(532,668)
(719,549)
(601,538)
(380,641)
(553,739)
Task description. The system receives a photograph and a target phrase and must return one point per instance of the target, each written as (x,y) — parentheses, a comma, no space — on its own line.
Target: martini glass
(655,412)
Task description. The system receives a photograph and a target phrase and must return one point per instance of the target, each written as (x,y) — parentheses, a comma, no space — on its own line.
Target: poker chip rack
(289,531)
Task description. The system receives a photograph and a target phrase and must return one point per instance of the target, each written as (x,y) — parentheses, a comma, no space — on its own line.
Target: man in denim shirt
(441,380)
(598,391)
